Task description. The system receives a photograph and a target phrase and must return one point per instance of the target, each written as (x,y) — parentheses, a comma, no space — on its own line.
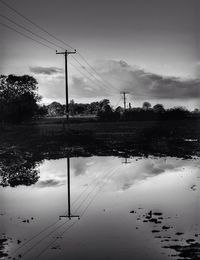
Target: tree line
(19,101)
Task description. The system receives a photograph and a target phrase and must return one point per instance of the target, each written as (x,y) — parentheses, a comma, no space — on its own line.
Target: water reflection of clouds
(50,183)
(141,170)
(80,166)
(53,173)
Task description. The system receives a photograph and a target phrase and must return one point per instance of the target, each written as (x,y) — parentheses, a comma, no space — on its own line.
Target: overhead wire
(91,80)
(25,35)
(101,81)
(35,24)
(28,30)
(117,103)
(39,36)
(57,39)
(107,83)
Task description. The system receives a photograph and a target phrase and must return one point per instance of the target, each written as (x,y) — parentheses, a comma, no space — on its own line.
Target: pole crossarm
(66,52)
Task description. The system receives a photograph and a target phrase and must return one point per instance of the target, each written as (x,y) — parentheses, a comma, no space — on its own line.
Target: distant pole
(124,97)
(66,53)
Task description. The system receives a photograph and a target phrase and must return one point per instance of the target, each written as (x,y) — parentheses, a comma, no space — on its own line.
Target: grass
(22,147)
(150,137)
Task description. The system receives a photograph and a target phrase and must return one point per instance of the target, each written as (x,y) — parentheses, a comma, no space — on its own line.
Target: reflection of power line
(84,210)
(85,190)
(32,238)
(94,188)
(95,195)
(62,233)
(42,239)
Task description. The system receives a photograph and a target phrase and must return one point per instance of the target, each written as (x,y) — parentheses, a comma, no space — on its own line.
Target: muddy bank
(23,147)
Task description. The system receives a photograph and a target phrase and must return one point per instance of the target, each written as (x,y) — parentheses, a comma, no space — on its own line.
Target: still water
(135,208)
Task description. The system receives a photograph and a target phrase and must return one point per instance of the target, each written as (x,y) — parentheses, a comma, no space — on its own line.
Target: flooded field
(125,208)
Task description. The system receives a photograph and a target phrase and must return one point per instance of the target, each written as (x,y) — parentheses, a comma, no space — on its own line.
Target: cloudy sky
(148,48)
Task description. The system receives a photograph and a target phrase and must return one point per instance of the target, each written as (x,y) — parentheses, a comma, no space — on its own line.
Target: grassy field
(22,147)
(51,136)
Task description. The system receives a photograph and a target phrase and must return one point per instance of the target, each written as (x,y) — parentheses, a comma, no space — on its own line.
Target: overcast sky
(149,48)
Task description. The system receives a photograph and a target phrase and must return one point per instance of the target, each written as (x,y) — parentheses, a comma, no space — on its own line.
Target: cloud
(49,183)
(45,70)
(140,83)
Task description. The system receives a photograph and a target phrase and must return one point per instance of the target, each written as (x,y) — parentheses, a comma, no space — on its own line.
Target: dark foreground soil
(22,147)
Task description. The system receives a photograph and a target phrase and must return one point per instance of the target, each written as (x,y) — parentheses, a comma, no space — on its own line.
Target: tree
(55,109)
(146,105)
(18,98)
(158,108)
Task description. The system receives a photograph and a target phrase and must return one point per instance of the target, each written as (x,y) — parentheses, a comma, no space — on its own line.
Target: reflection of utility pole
(66,53)
(68,186)
(126,160)
(124,97)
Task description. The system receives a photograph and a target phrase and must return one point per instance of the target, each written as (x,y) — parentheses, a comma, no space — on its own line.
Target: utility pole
(66,53)
(124,97)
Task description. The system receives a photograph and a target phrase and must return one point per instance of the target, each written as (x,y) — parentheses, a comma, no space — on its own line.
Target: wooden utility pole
(66,53)
(124,97)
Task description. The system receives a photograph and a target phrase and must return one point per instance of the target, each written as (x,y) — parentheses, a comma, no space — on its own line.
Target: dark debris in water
(189,251)
(3,243)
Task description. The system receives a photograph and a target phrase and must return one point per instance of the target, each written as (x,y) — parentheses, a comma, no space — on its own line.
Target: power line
(56,38)
(107,83)
(117,103)
(53,36)
(25,35)
(87,70)
(38,26)
(28,30)
(102,81)
(95,83)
